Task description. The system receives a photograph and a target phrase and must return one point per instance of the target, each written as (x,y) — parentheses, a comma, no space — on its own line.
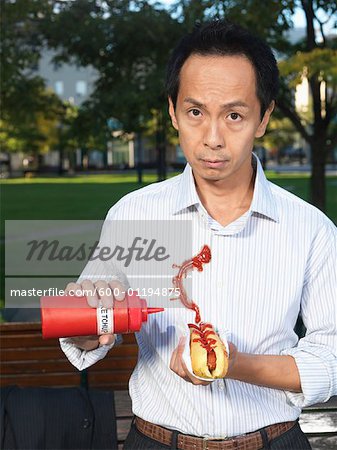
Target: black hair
(224,38)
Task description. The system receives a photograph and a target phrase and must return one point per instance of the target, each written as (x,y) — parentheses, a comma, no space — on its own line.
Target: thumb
(106,339)
(181,344)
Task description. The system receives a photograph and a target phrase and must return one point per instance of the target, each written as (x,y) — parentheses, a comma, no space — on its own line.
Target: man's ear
(172,114)
(265,120)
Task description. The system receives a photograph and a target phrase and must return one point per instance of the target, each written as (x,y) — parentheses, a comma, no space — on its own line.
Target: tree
(128,45)
(29,112)
(316,60)
(34,129)
(314,56)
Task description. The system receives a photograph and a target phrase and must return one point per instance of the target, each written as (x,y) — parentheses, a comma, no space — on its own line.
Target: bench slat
(49,366)
(8,340)
(43,353)
(12,327)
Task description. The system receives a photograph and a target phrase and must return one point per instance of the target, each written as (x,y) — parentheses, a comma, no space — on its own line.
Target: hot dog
(209,356)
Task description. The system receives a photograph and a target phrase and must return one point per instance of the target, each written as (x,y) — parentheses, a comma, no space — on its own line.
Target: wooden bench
(29,360)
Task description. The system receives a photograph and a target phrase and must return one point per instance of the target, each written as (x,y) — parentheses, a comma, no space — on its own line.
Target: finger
(106,339)
(118,290)
(104,293)
(176,358)
(182,367)
(72,288)
(90,291)
(173,360)
(181,345)
(190,377)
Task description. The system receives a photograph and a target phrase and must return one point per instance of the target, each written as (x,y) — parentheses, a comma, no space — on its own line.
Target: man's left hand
(178,365)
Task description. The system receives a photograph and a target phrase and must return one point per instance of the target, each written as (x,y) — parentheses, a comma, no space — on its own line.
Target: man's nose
(214,137)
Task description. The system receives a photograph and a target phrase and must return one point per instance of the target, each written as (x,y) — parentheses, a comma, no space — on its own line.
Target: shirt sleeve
(83,359)
(316,353)
(96,269)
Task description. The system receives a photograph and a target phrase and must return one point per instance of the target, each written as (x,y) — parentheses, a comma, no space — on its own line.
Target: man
(273,255)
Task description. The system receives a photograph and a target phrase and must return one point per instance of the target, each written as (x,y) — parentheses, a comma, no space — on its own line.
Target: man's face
(218,116)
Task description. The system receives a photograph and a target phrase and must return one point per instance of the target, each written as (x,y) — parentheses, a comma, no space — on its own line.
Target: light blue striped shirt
(276,260)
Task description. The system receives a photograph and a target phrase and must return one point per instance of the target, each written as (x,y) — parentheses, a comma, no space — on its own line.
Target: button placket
(221,384)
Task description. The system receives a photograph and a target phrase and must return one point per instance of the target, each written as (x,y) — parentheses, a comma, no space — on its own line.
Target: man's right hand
(101,292)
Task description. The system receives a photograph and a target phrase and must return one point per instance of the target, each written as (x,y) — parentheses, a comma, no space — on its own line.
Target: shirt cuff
(315,365)
(82,359)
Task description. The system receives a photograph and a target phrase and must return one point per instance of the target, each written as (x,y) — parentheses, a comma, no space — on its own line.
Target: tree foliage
(129,43)
(29,112)
(128,46)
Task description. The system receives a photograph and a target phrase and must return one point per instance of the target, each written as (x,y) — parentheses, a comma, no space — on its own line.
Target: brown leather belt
(250,441)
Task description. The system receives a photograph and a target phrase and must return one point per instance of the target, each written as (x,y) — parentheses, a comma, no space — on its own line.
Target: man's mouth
(214,163)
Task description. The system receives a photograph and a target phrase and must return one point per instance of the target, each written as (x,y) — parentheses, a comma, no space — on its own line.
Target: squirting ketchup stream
(204,330)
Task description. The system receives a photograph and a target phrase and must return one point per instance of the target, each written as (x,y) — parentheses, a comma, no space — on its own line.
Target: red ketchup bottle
(66,316)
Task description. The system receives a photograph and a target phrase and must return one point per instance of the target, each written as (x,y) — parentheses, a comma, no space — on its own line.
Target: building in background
(70,82)
(75,84)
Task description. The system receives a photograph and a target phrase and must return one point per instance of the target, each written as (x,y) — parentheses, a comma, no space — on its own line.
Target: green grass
(83,197)
(91,196)
(299,185)
(80,179)
(62,201)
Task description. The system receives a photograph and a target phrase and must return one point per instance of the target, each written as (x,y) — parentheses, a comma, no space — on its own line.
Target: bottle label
(104,320)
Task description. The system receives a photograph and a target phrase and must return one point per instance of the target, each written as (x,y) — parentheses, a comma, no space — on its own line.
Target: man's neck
(227,201)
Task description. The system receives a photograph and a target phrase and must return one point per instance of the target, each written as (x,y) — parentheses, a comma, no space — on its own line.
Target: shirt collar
(263,201)
(187,193)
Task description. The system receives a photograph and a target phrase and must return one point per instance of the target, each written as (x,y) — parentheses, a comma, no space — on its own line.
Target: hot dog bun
(209,356)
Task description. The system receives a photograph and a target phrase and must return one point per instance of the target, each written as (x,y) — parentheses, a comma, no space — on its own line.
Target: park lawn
(81,197)
(91,196)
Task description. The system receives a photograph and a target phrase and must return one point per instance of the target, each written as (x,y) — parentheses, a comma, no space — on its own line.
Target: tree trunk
(317,181)
(72,161)
(9,165)
(61,157)
(139,154)
(161,147)
(318,143)
(318,146)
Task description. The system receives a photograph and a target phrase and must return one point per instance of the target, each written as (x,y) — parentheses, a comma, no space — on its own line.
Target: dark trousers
(293,439)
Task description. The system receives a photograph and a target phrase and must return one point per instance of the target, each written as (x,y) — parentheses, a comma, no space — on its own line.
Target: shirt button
(86,423)
(221,385)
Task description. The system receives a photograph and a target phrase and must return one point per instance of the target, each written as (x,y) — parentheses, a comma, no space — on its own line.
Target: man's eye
(235,116)
(194,112)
